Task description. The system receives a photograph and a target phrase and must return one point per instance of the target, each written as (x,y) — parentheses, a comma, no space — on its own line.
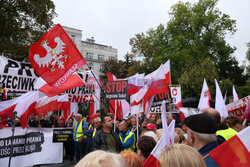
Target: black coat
(99,142)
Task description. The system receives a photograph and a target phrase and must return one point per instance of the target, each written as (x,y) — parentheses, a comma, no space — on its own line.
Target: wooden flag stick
(99,101)
(170,106)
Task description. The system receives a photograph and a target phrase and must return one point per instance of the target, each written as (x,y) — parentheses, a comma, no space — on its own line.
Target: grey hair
(205,137)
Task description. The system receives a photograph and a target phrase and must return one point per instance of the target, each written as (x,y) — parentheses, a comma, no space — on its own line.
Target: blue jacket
(129,142)
(205,150)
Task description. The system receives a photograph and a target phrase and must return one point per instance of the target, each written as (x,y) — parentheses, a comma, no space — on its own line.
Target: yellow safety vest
(79,132)
(226,133)
(131,148)
(90,126)
(94,133)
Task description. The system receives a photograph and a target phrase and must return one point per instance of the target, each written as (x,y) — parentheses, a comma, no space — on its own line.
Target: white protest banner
(238,107)
(175,94)
(189,111)
(30,146)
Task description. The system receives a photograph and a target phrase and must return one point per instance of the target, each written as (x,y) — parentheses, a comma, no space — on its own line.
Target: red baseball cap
(94,116)
(150,126)
(60,117)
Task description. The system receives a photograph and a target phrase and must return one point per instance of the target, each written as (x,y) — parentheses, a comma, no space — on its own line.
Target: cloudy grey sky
(114,22)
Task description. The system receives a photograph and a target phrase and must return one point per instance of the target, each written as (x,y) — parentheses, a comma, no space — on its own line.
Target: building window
(111,57)
(91,65)
(73,37)
(100,57)
(89,55)
(101,66)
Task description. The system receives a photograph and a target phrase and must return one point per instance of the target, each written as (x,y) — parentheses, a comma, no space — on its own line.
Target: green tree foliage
(194,33)
(191,80)
(23,22)
(248,58)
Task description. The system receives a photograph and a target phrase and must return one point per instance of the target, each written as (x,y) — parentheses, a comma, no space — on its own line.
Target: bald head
(78,117)
(123,126)
(214,113)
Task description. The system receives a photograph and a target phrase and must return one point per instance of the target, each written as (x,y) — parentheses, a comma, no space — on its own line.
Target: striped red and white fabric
(157,82)
(167,139)
(23,105)
(135,83)
(73,81)
(235,152)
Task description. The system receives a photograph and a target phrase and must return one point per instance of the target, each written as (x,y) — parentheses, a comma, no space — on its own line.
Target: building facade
(95,54)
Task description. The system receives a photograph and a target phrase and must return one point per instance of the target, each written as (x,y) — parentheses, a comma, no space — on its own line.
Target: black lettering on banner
(22,144)
(24,82)
(11,64)
(14,85)
(8,84)
(117,89)
(28,71)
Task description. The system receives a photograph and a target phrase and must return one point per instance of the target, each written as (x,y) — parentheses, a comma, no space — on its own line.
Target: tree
(22,24)
(191,80)
(194,33)
(248,58)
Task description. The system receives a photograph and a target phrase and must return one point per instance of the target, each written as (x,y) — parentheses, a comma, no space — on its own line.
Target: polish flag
(46,104)
(157,82)
(26,107)
(235,152)
(136,109)
(205,96)
(166,139)
(55,57)
(135,83)
(235,96)
(73,81)
(64,104)
(23,105)
(219,102)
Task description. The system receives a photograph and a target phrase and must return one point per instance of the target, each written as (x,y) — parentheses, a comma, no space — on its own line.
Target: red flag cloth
(55,57)
(235,152)
(73,81)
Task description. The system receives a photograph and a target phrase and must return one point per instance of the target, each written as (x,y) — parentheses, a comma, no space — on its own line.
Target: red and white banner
(55,57)
(237,108)
(205,97)
(176,95)
(235,152)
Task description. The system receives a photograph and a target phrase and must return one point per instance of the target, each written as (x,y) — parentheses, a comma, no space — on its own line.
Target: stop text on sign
(117,89)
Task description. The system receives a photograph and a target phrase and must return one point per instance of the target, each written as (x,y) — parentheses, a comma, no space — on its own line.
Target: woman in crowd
(101,158)
(131,159)
(180,155)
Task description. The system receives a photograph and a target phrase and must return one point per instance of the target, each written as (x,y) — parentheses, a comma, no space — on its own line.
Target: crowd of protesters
(96,142)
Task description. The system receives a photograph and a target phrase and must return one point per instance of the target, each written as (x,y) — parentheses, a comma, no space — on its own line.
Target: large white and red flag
(166,139)
(205,97)
(135,83)
(235,152)
(219,102)
(235,95)
(73,81)
(156,83)
(55,57)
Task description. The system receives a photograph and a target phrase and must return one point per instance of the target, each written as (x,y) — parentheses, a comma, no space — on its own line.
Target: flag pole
(115,114)
(137,124)
(99,101)
(169,102)
(12,137)
(99,84)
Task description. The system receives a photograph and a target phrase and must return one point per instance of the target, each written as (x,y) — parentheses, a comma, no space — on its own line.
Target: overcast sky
(114,22)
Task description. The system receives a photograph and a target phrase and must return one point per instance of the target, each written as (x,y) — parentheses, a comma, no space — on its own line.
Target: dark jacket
(99,141)
(221,139)
(205,150)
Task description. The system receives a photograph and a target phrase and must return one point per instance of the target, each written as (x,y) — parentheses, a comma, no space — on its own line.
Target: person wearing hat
(201,134)
(80,137)
(149,127)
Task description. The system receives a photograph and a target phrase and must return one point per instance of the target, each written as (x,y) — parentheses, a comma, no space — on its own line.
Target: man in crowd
(97,125)
(79,137)
(106,139)
(45,122)
(201,133)
(234,122)
(127,137)
(89,133)
(223,132)
(33,122)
